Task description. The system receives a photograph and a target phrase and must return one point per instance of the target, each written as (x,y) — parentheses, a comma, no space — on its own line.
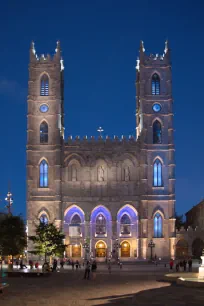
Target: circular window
(43,108)
(156,107)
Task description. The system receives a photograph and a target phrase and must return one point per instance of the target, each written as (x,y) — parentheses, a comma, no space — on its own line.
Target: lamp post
(9,201)
(86,248)
(116,247)
(151,245)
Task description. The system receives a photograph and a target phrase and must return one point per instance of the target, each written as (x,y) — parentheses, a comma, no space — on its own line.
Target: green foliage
(48,240)
(179,221)
(12,235)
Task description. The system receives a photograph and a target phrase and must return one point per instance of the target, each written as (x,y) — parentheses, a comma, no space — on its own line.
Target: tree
(48,240)
(13,239)
(179,221)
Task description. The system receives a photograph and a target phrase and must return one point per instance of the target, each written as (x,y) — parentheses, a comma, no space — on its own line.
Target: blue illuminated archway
(71,211)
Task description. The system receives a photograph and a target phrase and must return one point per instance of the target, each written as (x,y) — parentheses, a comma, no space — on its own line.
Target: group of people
(181,265)
(90,267)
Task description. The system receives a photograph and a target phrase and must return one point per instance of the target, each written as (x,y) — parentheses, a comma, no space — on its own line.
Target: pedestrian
(17,263)
(177,266)
(109,267)
(36,265)
(54,267)
(77,265)
(171,264)
(72,265)
(190,265)
(93,269)
(181,264)
(62,263)
(22,266)
(87,270)
(184,265)
(121,265)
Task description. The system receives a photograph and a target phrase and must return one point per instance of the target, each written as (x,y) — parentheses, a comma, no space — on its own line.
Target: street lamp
(86,248)
(116,247)
(151,245)
(9,201)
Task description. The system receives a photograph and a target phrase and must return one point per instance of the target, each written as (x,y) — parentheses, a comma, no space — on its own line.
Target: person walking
(77,264)
(54,267)
(121,265)
(62,263)
(72,265)
(177,266)
(184,265)
(190,265)
(109,267)
(171,264)
(93,269)
(87,270)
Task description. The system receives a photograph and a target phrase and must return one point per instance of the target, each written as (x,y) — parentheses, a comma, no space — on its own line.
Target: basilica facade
(110,197)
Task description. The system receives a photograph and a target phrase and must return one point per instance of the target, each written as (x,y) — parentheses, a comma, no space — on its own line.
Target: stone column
(172,247)
(143,253)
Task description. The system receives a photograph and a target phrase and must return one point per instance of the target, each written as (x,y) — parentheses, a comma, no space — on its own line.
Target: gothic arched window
(75,227)
(100,225)
(157,132)
(76,219)
(43,174)
(44,219)
(125,225)
(158,225)
(44,85)
(155,84)
(74,173)
(157,173)
(44,132)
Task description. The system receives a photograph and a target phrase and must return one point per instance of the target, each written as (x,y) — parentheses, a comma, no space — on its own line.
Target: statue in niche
(74,174)
(100,174)
(126,174)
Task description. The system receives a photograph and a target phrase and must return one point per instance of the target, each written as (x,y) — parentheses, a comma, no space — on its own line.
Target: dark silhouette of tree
(48,240)
(179,221)
(13,238)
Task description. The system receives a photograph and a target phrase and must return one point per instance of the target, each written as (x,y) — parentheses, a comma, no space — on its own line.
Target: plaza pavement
(130,286)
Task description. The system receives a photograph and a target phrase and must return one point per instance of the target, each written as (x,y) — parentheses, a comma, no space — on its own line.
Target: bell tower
(45,132)
(154,116)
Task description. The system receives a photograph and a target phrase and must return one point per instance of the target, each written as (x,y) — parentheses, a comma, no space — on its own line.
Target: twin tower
(110,197)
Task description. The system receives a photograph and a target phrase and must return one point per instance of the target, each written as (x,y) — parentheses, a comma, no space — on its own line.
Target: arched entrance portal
(100,249)
(76,250)
(125,249)
(197,248)
(181,248)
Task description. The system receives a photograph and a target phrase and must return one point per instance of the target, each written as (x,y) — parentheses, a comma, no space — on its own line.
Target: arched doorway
(125,249)
(76,250)
(101,249)
(197,247)
(181,248)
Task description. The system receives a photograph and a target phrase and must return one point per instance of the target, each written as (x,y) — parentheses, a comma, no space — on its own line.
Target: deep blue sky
(100,41)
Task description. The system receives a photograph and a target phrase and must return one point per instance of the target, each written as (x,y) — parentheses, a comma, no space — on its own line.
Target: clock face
(156,107)
(43,108)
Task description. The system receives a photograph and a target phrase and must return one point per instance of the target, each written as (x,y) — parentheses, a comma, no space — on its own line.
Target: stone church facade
(109,196)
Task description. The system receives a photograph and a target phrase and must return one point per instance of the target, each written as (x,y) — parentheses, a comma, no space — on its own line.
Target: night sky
(100,42)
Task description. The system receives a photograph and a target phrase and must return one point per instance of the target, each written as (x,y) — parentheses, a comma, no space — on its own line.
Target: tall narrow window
(43,174)
(157,225)
(44,85)
(157,132)
(100,225)
(44,132)
(155,84)
(157,173)
(44,219)
(125,225)
(75,226)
